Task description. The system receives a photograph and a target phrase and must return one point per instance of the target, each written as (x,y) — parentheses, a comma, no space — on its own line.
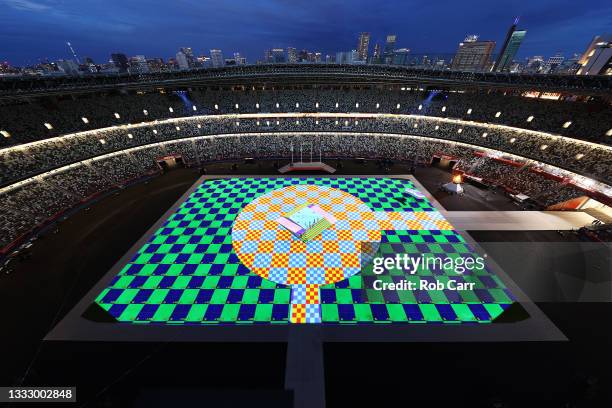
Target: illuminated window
(130,136)
(444,109)
(336,122)
(277,122)
(170,109)
(346,122)
(529,119)
(5,133)
(485,134)
(469,111)
(498,114)
(543,147)
(567,124)
(316,122)
(513,140)
(257,123)
(267,123)
(117,115)
(85,120)
(146,112)
(579,156)
(102,141)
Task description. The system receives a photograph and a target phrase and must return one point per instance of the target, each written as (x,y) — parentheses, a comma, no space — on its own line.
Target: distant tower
(73,52)
(363,45)
(389,48)
(513,41)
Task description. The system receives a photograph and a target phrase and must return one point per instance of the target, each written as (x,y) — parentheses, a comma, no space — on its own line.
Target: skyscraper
(597,59)
(377,54)
(363,45)
(473,55)
(216,57)
(400,57)
(513,41)
(389,48)
(278,55)
(181,60)
(292,55)
(553,63)
(188,52)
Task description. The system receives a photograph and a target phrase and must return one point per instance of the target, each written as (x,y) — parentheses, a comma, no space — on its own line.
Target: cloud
(27,5)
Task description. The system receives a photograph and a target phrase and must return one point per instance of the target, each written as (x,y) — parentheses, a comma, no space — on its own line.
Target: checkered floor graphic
(222,259)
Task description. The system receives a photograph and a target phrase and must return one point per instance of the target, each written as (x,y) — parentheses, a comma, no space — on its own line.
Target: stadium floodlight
(444,109)
(317,105)
(297,104)
(154,131)
(530,118)
(178,128)
(48,125)
(346,123)
(397,106)
(544,147)
(130,136)
(199,126)
(337,105)
(297,122)
(117,115)
(579,156)
(356,104)
(377,105)
(5,133)
(459,130)
(337,122)
(567,124)
(498,114)
(356,122)
(85,120)
(257,123)
(237,123)
(216,107)
(267,123)
(194,108)
(609,132)
(146,112)
(469,111)
(437,127)
(415,126)
(420,107)
(485,134)
(170,109)
(316,122)
(256,106)
(102,141)
(513,140)
(236,106)
(277,122)
(277,105)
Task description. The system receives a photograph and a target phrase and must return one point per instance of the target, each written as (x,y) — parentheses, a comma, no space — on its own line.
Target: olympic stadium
(170,234)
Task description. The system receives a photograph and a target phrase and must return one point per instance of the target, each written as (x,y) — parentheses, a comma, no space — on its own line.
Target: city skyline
(116,28)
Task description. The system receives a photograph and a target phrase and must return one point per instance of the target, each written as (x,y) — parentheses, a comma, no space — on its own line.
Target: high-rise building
(68,67)
(292,56)
(278,55)
(513,41)
(188,52)
(239,59)
(138,64)
(535,64)
(553,63)
(389,48)
(376,57)
(181,60)
(597,59)
(347,57)
(363,45)
(400,56)
(216,58)
(120,61)
(473,55)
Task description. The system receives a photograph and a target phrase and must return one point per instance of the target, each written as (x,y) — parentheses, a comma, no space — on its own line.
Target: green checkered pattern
(188,272)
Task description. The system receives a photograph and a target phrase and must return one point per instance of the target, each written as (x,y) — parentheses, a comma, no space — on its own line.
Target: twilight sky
(31,30)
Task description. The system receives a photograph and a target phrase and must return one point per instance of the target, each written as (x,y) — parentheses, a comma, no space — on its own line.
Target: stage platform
(198,276)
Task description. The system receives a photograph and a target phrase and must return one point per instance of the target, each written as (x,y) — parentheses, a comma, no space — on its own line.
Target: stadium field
(220,258)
